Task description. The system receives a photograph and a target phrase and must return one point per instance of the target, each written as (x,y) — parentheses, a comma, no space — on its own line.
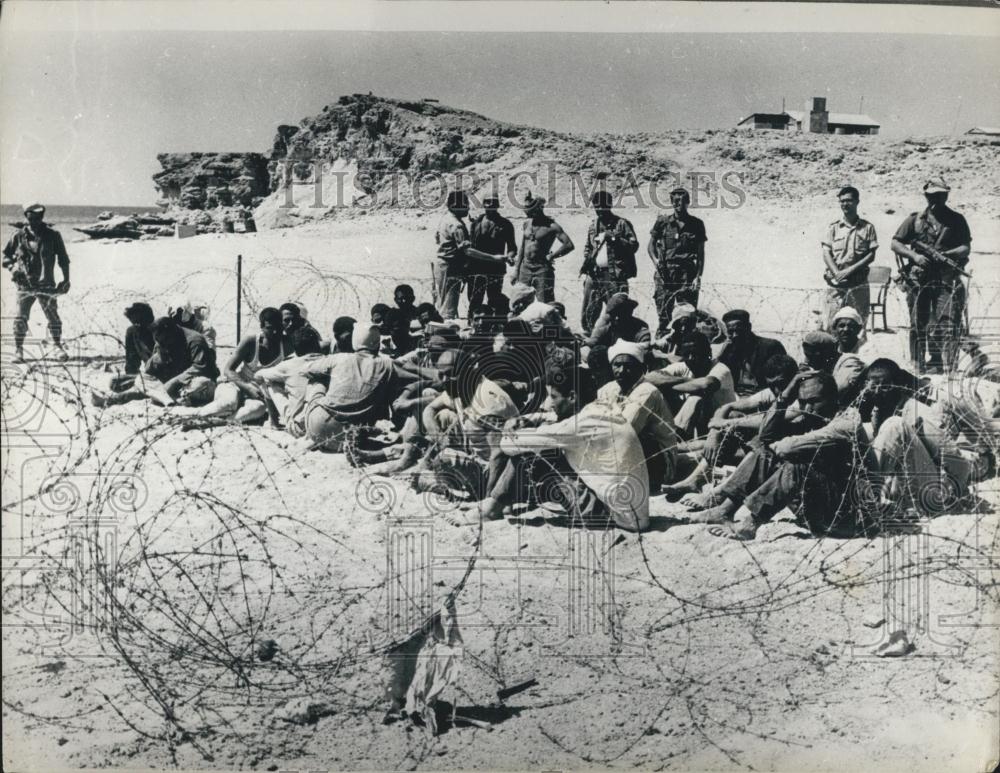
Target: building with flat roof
(815,119)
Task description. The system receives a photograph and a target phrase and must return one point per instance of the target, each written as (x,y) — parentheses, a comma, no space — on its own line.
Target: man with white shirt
(644,407)
(696,387)
(608,258)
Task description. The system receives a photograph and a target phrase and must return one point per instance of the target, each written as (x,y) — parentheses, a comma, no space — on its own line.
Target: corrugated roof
(984,130)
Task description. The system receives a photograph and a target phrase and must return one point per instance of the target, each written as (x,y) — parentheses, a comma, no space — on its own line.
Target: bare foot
(739,532)
(690,485)
(699,501)
(743,528)
(720,513)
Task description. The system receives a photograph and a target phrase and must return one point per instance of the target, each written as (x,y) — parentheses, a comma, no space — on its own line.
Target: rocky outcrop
(366,152)
(212,180)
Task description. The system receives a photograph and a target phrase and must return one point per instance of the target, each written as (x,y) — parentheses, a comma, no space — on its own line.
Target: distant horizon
(93,103)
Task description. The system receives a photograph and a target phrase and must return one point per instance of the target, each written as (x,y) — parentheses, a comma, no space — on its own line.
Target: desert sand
(147,564)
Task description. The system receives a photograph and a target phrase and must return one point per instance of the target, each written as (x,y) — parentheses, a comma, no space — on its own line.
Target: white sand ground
(669,650)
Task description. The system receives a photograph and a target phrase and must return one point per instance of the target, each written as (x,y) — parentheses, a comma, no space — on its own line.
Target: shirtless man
(237,394)
(535,259)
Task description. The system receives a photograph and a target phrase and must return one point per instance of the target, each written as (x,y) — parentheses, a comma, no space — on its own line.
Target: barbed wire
(220,576)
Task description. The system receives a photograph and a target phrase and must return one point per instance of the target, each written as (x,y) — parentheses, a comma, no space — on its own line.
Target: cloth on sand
(424,665)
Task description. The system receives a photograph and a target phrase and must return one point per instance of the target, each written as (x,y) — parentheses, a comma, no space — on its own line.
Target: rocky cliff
(367,152)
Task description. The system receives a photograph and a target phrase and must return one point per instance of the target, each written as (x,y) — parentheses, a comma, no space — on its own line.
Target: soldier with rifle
(677,249)
(932,249)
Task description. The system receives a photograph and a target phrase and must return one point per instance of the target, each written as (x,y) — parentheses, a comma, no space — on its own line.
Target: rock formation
(366,152)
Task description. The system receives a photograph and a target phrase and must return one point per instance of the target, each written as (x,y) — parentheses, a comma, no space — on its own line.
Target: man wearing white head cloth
(848,327)
(644,407)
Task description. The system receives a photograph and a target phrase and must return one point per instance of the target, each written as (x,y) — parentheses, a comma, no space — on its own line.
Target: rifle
(939,257)
(911,275)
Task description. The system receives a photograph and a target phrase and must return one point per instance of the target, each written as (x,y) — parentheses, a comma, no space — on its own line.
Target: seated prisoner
(581,455)
(808,456)
(617,323)
(735,424)
(745,353)
(237,395)
(362,386)
(287,386)
(138,345)
(926,451)
(820,352)
(696,387)
(642,405)
(180,371)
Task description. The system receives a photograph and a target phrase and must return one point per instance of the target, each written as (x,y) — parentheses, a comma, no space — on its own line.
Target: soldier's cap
(601,200)
(620,302)
(491,202)
(36,208)
(736,315)
(458,200)
(936,185)
(680,190)
(532,203)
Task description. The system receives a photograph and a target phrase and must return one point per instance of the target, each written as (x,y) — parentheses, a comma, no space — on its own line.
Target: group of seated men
(516,409)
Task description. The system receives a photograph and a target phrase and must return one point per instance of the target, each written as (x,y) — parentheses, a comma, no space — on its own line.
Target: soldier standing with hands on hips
(31,256)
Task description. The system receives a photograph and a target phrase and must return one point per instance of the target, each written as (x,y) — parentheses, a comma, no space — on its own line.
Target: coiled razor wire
(176,556)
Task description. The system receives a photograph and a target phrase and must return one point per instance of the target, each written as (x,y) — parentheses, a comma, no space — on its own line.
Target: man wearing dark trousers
(31,255)
(935,294)
(677,249)
(608,259)
(493,234)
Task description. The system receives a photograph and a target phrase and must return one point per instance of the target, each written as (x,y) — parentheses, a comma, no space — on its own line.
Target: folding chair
(879,278)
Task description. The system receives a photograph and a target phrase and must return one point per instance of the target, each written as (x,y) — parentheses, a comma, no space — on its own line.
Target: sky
(90,96)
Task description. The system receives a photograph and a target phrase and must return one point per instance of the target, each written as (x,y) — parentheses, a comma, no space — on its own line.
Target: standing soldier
(932,248)
(454,250)
(848,250)
(535,259)
(493,234)
(608,259)
(31,255)
(677,249)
